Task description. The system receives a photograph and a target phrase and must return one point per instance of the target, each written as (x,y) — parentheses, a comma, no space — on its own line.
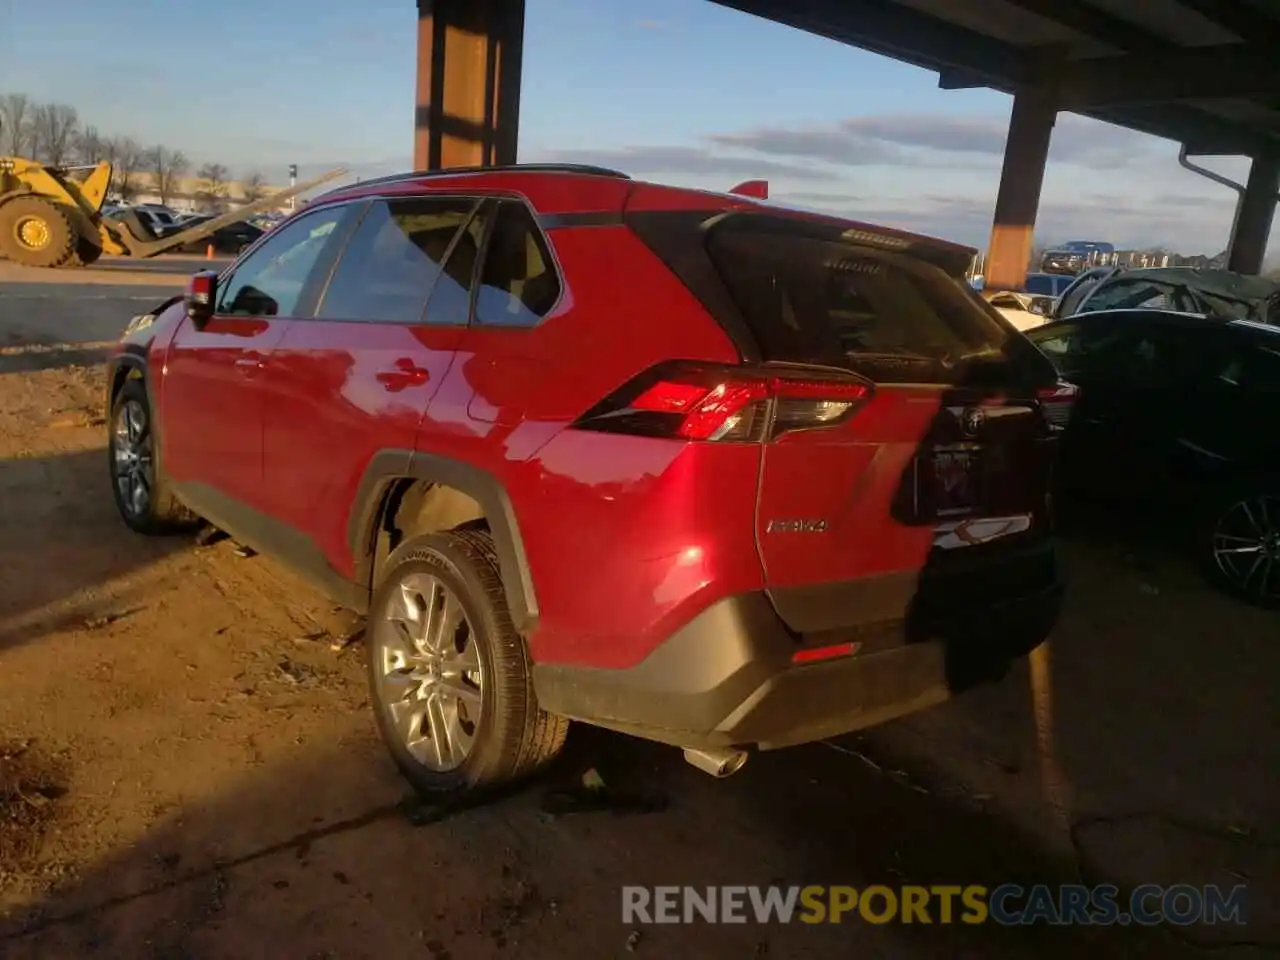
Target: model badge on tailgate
(796,526)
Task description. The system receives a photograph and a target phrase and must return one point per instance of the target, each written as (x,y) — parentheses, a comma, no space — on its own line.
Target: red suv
(686,465)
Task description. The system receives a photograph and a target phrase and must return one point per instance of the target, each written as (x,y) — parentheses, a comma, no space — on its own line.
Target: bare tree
(91,146)
(211,193)
(127,159)
(15,115)
(167,169)
(254,187)
(54,127)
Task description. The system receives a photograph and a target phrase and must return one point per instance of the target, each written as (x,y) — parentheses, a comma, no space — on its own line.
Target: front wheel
(448,673)
(1239,541)
(137,483)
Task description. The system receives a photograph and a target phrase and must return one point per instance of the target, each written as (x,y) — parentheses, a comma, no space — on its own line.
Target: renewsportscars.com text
(1007,905)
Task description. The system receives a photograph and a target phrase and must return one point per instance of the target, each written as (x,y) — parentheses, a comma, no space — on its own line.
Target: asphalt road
(88,305)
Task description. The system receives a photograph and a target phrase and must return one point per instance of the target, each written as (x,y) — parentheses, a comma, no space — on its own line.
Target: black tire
(161,512)
(1227,518)
(87,253)
(513,738)
(36,217)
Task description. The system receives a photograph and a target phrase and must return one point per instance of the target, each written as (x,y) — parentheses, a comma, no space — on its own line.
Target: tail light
(690,401)
(1057,402)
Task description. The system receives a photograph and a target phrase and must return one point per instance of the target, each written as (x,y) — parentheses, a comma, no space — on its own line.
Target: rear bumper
(727,678)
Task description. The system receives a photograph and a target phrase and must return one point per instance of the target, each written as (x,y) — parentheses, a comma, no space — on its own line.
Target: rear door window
(394,260)
(518,283)
(887,316)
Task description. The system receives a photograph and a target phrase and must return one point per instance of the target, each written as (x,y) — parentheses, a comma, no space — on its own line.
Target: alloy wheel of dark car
(1245,547)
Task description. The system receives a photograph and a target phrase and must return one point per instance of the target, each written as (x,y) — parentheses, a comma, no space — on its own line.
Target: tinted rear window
(1041,283)
(885,315)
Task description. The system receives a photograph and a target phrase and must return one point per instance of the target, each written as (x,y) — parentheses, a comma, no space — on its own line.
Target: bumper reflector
(815,654)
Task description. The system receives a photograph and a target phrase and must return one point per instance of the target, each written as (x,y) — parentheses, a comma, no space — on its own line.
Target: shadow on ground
(1159,729)
(63,541)
(316,859)
(50,356)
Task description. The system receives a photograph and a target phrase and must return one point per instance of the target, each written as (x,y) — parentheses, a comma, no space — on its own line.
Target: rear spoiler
(756,189)
(953,258)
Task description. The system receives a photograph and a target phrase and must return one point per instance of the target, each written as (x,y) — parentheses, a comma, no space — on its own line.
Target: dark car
(1074,256)
(685,465)
(1217,293)
(1179,414)
(231,239)
(1046,284)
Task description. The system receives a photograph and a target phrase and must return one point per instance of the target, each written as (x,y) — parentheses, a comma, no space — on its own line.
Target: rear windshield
(1041,283)
(887,316)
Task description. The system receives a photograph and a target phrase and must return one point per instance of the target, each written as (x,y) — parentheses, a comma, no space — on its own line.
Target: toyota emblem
(971,421)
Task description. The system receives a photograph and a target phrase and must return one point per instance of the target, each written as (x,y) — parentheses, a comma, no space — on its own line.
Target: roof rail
(579,168)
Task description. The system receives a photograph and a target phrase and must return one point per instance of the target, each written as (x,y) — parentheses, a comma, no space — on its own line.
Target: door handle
(404,374)
(249,362)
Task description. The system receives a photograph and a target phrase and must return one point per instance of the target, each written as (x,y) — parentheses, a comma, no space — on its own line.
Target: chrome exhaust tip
(718,763)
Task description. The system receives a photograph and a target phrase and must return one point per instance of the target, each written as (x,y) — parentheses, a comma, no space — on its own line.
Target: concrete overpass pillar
(468,103)
(1254,213)
(1025,153)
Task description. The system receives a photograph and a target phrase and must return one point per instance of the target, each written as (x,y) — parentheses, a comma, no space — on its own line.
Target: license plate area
(949,481)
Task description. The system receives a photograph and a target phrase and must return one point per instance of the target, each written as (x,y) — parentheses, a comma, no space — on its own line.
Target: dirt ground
(188,766)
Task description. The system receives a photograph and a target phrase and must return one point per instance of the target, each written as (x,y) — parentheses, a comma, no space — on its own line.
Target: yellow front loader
(50,218)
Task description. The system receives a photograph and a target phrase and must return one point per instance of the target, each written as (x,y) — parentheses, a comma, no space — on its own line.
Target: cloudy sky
(681,90)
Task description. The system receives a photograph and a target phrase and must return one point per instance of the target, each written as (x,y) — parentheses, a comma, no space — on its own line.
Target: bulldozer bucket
(93,188)
(118,236)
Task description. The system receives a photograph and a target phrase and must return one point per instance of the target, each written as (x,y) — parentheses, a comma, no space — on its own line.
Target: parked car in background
(231,239)
(685,465)
(1023,310)
(160,219)
(1179,414)
(1217,293)
(267,221)
(1051,285)
(1075,256)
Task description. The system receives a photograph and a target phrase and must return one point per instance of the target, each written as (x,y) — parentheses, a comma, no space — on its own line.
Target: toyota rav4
(690,466)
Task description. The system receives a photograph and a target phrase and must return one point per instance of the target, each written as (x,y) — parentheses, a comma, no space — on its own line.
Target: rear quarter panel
(626,537)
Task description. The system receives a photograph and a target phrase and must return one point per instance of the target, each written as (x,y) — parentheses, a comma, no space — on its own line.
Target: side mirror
(202,294)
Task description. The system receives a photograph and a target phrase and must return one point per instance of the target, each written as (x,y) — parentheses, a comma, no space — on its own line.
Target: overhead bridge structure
(1203,73)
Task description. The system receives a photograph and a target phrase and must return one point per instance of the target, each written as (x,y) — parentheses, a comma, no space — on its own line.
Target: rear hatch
(947,453)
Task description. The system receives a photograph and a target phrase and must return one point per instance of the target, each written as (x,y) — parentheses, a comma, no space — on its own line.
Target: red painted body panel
(213,397)
(339,392)
(609,523)
(631,537)
(848,476)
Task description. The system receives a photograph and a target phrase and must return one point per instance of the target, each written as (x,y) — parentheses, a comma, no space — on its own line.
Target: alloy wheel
(428,672)
(1246,546)
(131,457)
